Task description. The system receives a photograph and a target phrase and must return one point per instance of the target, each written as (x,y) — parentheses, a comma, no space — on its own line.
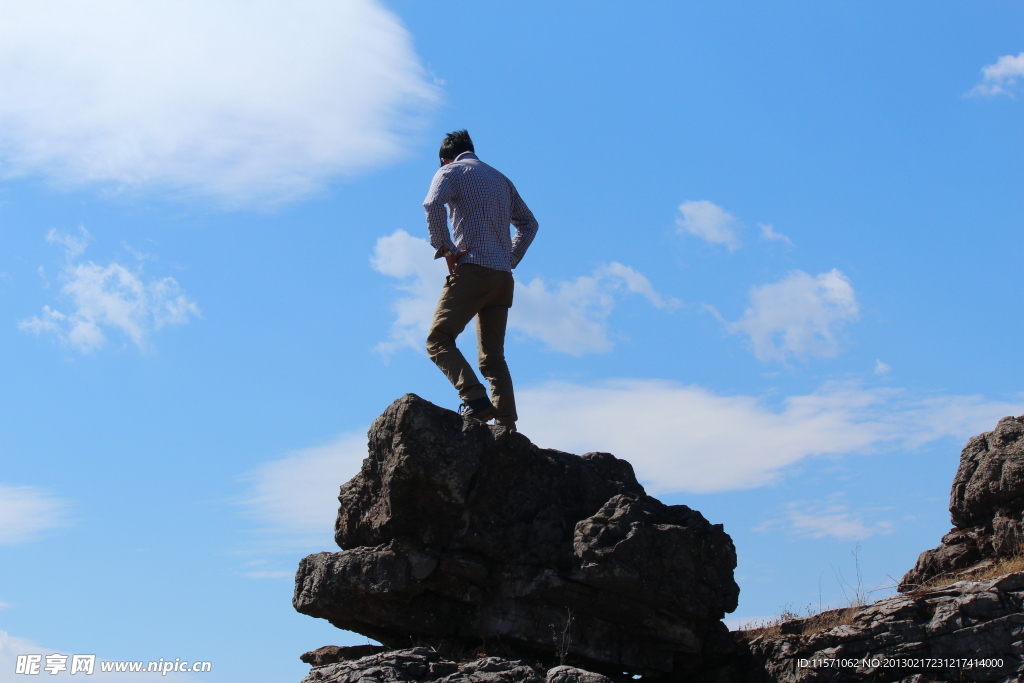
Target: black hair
(455,143)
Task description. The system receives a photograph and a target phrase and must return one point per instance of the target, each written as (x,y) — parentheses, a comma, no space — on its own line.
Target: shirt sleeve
(526,227)
(440,193)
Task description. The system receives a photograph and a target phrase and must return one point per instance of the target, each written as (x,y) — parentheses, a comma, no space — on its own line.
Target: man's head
(455,144)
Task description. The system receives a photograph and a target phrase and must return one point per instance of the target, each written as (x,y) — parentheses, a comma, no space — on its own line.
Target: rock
(423,665)
(426,665)
(570,674)
(329,654)
(986,506)
(455,532)
(966,631)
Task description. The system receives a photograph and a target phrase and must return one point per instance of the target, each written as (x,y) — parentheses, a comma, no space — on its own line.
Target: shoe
(478,409)
(508,424)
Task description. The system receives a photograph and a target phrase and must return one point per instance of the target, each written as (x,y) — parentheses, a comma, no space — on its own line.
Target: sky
(778,270)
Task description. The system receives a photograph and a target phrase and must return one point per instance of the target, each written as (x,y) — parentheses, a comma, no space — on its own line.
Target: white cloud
(26,512)
(687,438)
(568,316)
(296,497)
(250,102)
(678,439)
(829,517)
(108,297)
(1000,78)
(799,316)
(410,259)
(882,368)
(571,316)
(710,222)
(769,233)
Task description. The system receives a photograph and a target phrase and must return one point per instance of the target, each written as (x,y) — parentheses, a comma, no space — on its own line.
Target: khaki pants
(487,294)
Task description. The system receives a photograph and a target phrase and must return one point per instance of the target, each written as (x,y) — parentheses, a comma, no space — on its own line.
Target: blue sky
(778,269)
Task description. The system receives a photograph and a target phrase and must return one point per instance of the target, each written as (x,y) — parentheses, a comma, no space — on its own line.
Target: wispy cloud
(570,316)
(799,316)
(678,438)
(295,498)
(105,298)
(688,438)
(709,222)
(28,512)
(251,103)
(829,517)
(1000,78)
(768,232)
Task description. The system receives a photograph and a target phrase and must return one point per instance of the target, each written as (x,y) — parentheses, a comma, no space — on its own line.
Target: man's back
(482,203)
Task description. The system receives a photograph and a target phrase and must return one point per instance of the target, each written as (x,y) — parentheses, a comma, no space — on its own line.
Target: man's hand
(453,259)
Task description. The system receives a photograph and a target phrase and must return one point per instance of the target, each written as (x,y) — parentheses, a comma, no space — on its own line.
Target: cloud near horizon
(569,316)
(829,517)
(251,103)
(679,439)
(298,494)
(683,438)
(105,298)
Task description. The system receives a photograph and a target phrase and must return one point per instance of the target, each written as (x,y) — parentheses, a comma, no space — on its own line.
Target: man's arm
(437,216)
(526,227)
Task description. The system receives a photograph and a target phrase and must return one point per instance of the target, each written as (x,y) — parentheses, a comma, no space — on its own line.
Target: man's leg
(464,294)
(491,324)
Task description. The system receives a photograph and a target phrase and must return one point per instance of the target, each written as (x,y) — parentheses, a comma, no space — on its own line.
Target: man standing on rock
(481,204)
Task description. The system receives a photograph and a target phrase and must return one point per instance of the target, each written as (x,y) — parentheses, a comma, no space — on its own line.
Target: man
(481,204)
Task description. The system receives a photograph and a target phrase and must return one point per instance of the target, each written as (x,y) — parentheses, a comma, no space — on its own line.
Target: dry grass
(790,623)
(988,569)
(1009,565)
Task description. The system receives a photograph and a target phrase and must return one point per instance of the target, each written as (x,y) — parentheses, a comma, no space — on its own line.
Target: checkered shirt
(481,204)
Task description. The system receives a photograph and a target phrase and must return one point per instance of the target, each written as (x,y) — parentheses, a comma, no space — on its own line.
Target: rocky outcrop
(986,506)
(426,665)
(966,631)
(938,628)
(455,533)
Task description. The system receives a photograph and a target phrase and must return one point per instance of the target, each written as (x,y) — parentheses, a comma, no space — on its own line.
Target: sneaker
(478,409)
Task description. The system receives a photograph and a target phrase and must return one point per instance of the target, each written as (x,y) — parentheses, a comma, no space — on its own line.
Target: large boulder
(458,533)
(986,506)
